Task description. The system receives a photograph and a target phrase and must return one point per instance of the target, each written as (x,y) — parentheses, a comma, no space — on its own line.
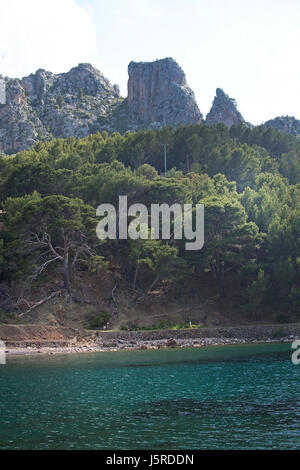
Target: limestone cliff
(158,95)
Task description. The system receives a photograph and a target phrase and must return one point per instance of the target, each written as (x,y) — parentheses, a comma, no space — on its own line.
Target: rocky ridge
(287,124)
(82,101)
(45,105)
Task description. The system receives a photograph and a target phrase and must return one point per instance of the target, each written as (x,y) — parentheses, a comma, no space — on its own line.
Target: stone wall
(220,334)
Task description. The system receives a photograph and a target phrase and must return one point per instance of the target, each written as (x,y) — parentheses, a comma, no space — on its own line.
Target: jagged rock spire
(224,110)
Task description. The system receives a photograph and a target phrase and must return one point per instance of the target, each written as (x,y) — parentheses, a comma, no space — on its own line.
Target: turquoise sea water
(232,397)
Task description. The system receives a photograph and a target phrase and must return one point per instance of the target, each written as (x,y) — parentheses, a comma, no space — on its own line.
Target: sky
(249,48)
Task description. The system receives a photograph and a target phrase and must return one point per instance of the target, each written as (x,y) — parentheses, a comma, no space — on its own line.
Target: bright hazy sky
(250,48)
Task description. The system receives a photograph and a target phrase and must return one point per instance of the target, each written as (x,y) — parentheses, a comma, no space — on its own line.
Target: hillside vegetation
(247,178)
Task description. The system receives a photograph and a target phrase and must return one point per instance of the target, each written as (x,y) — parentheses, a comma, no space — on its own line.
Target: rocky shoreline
(111,341)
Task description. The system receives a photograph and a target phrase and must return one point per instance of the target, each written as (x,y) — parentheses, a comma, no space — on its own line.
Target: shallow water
(231,397)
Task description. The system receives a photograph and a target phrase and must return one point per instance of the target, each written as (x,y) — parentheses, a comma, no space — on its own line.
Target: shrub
(99,321)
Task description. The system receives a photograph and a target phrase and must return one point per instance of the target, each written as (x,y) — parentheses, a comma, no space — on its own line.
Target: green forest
(247,178)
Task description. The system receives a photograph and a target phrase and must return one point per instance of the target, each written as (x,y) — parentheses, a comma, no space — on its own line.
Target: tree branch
(38,304)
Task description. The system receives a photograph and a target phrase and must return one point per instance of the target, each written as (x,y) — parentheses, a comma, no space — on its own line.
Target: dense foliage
(247,178)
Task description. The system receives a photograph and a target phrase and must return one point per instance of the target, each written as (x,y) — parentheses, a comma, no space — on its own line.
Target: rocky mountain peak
(220,93)
(46,105)
(88,79)
(158,95)
(224,110)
